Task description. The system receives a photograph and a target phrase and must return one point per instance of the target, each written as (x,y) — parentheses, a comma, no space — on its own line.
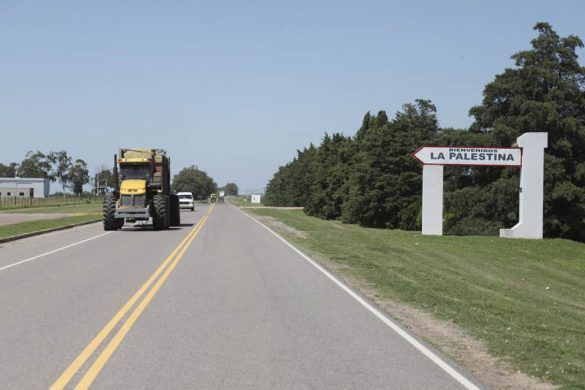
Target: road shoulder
(22,230)
(23,223)
(445,336)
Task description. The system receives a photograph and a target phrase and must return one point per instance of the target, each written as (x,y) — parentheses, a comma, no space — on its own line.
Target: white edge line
(414,342)
(51,252)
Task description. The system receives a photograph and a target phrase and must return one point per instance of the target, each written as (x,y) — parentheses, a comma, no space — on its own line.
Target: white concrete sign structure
(432,205)
(531,187)
(529,156)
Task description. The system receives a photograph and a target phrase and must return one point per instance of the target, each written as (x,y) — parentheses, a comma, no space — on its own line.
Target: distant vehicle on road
(186,200)
(221,196)
(213,198)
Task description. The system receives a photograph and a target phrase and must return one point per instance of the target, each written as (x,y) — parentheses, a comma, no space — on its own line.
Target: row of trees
(72,174)
(192,179)
(372,180)
(230,189)
(189,179)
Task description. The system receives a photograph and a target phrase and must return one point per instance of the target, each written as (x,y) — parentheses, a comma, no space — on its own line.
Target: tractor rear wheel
(109,213)
(160,214)
(175,210)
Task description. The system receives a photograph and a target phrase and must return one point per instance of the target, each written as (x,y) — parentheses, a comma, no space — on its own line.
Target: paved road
(234,308)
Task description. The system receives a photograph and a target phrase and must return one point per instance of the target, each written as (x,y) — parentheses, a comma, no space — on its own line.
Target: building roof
(23,179)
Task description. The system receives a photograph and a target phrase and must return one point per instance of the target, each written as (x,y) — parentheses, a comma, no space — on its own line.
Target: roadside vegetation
(57,165)
(244,201)
(370,178)
(48,217)
(44,204)
(82,208)
(197,182)
(17,229)
(200,184)
(525,299)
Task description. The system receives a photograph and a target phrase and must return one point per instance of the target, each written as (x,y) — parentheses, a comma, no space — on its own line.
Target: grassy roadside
(242,202)
(75,209)
(45,203)
(79,213)
(35,226)
(524,299)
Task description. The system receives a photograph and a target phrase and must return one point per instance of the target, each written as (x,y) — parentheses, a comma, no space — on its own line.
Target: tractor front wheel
(175,210)
(109,213)
(160,214)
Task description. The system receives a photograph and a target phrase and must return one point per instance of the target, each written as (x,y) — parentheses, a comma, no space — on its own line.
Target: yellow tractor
(142,190)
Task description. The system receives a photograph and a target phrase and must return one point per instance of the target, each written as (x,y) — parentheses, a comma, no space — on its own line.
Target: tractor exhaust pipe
(116,182)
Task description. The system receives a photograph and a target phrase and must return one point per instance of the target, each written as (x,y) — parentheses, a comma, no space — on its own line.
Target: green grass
(77,209)
(242,202)
(524,298)
(83,213)
(45,203)
(34,226)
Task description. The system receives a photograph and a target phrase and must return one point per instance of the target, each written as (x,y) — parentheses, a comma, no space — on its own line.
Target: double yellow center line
(165,269)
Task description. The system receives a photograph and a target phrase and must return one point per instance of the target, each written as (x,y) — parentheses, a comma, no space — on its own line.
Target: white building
(23,187)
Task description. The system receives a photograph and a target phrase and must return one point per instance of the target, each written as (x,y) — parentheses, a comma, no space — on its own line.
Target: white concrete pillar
(531,187)
(432,201)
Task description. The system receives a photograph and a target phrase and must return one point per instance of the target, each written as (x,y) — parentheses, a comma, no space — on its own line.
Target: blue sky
(236,87)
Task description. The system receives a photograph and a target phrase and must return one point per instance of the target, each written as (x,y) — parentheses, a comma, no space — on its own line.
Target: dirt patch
(9,219)
(281,226)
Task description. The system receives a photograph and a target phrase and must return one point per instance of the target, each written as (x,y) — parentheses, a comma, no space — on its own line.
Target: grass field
(525,299)
(77,209)
(79,213)
(35,226)
(243,202)
(32,203)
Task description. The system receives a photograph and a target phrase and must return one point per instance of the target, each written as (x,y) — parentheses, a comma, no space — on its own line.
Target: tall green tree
(60,166)
(8,170)
(35,164)
(78,176)
(329,187)
(231,189)
(544,92)
(365,126)
(291,184)
(385,182)
(191,179)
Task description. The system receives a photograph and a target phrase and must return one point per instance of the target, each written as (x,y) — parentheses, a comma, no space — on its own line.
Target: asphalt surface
(239,309)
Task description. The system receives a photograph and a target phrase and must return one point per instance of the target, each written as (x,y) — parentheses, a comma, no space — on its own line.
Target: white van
(186,200)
